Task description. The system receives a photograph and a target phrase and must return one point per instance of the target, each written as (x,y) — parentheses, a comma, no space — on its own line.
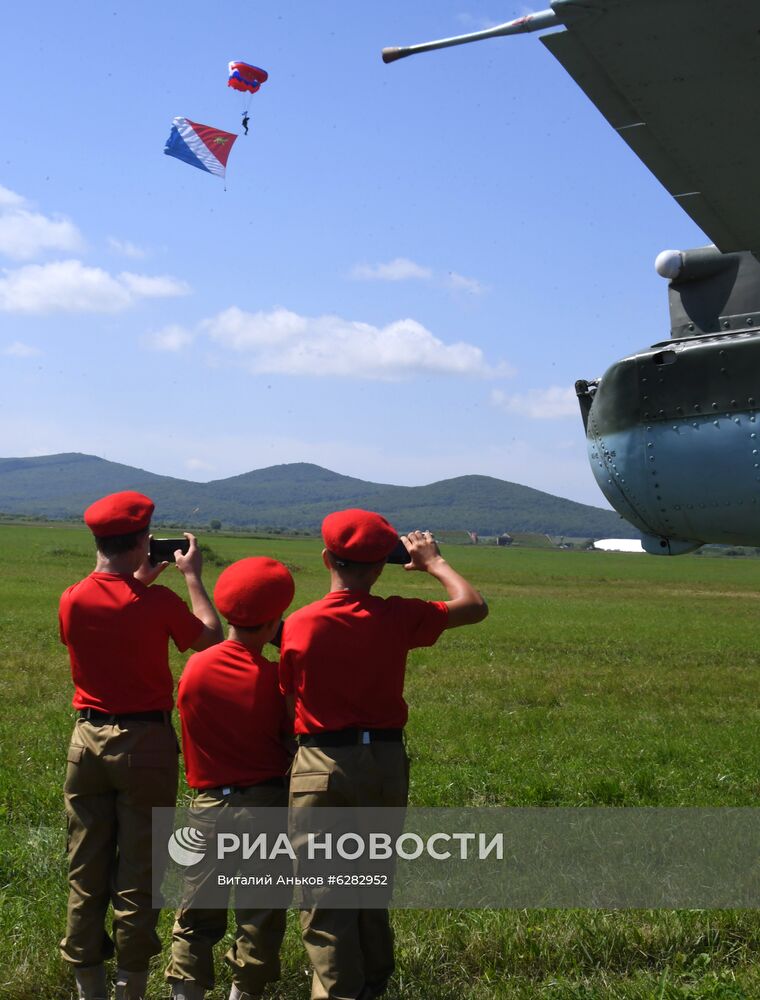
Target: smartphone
(276,640)
(400,555)
(163,549)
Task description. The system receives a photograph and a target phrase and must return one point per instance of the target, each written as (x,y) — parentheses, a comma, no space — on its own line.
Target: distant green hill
(298,496)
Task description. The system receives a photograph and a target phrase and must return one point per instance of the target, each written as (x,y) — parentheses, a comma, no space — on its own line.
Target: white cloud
(127,248)
(71,286)
(24,234)
(538,404)
(150,286)
(170,338)
(403,269)
(20,350)
(283,342)
(245,331)
(9,199)
(459,283)
(399,269)
(63,286)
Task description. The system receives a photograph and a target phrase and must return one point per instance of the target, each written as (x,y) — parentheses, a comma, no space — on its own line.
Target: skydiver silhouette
(246,120)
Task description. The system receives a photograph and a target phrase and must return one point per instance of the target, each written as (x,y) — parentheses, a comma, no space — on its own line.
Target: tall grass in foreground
(598,679)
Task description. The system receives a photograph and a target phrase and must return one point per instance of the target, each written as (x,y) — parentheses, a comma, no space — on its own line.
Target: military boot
(187,989)
(130,985)
(237,994)
(91,982)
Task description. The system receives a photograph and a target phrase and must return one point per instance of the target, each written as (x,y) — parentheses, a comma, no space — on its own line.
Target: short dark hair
(115,545)
(352,565)
(248,629)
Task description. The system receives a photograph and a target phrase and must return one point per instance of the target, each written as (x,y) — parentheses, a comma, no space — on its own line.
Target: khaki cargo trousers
(351,951)
(255,954)
(116,776)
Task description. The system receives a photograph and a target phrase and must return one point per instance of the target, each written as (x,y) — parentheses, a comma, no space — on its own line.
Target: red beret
(253,591)
(359,535)
(119,514)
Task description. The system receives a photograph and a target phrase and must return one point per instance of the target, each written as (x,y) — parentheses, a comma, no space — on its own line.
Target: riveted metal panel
(691,477)
(702,377)
(715,293)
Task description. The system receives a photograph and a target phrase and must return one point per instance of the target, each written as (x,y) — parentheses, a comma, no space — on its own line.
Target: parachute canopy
(243,76)
(202,146)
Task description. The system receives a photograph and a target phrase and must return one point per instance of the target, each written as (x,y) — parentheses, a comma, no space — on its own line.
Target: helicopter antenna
(521,25)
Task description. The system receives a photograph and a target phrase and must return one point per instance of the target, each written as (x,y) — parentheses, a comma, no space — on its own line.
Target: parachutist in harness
(246,121)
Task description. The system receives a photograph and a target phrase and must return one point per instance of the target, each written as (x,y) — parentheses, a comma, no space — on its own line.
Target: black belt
(350,737)
(104,719)
(233,789)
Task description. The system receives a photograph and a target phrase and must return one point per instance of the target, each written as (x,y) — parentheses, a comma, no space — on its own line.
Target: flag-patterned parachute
(243,76)
(201,146)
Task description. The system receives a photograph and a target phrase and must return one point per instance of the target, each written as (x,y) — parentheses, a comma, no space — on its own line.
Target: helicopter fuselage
(673,436)
(673,431)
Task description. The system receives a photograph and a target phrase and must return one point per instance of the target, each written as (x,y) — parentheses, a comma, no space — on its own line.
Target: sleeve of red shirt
(285,672)
(183,626)
(424,620)
(286,723)
(61,604)
(285,669)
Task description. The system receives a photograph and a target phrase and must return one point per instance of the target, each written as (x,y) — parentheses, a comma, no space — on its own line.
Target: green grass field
(598,679)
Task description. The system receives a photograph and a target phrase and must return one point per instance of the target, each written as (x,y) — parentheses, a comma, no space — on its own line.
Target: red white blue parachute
(245,77)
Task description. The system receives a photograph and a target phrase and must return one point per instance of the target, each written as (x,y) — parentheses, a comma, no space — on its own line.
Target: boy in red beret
(342,667)
(234,727)
(122,761)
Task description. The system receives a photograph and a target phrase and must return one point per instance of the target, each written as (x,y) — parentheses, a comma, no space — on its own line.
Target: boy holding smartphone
(122,761)
(342,666)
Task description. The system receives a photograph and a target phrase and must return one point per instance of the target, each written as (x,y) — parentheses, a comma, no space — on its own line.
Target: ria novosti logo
(187,846)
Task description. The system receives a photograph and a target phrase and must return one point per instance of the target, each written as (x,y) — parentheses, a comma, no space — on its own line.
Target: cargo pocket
(75,771)
(310,781)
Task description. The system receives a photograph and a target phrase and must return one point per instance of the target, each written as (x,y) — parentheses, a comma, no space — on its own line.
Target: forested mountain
(297,496)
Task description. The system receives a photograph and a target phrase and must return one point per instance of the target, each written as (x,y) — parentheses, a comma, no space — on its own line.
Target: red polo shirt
(344,658)
(233,718)
(117,631)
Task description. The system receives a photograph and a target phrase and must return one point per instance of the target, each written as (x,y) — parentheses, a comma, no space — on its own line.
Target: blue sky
(410,267)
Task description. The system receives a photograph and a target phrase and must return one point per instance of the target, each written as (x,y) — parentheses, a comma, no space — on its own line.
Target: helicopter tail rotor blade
(521,25)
